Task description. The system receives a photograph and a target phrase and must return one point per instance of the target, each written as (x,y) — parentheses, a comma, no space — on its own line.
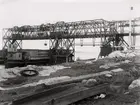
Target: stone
(84,81)
(91,82)
(108,75)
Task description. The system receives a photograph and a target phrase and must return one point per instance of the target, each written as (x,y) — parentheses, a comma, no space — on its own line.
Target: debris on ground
(121,69)
(100,96)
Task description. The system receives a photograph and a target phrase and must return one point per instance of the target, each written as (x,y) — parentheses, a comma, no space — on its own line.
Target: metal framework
(62,48)
(80,29)
(62,34)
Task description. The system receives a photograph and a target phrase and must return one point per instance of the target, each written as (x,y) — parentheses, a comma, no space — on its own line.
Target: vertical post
(81,41)
(134,36)
(93,41)
(130,29)
(73,49)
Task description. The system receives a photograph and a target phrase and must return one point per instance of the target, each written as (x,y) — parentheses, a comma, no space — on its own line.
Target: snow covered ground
(43,71)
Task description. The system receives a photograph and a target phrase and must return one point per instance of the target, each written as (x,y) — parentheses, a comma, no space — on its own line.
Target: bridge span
(62,35)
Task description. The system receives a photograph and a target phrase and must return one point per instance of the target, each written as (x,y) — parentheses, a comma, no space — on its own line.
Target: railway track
(61,95)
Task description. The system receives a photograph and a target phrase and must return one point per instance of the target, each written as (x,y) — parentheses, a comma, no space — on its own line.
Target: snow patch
(108,65)
(129,55)
(117,70)
(88,62)
(48,81)
(134,84)
(108,75)
(124,54)
(43,71)
(105,66)
(116,54)
(8,73)
(100,96)
(126,61)
(47,70)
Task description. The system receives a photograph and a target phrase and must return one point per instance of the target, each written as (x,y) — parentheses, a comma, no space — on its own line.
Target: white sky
(31,12)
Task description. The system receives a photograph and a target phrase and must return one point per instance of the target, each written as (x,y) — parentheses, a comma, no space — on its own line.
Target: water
(1,67)
(86,52)
(81,52)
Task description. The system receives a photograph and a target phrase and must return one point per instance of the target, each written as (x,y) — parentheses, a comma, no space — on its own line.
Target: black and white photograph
(69,52)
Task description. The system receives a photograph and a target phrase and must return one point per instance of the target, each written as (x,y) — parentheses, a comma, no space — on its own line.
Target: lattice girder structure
(7,42)
(83,29)
(17,43)
(121,26)
(62,34)
(116,41)
(80,29)
(62,47)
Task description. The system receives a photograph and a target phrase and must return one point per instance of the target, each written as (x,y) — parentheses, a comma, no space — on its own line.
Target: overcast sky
(31,12)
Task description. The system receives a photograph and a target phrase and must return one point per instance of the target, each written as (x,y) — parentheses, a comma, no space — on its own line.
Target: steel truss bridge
(62,35)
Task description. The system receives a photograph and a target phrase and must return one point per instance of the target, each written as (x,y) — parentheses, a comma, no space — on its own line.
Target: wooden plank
(45,93)
(77,95)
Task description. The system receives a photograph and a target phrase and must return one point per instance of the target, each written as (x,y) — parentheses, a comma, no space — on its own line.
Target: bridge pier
(11,46)
(111,44)
(62,48)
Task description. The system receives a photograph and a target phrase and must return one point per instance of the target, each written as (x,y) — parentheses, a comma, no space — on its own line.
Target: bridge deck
(22,37)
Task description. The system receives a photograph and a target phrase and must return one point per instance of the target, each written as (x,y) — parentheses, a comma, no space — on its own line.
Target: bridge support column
(62,49)
(133,42)
(112,44)
(11,45)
